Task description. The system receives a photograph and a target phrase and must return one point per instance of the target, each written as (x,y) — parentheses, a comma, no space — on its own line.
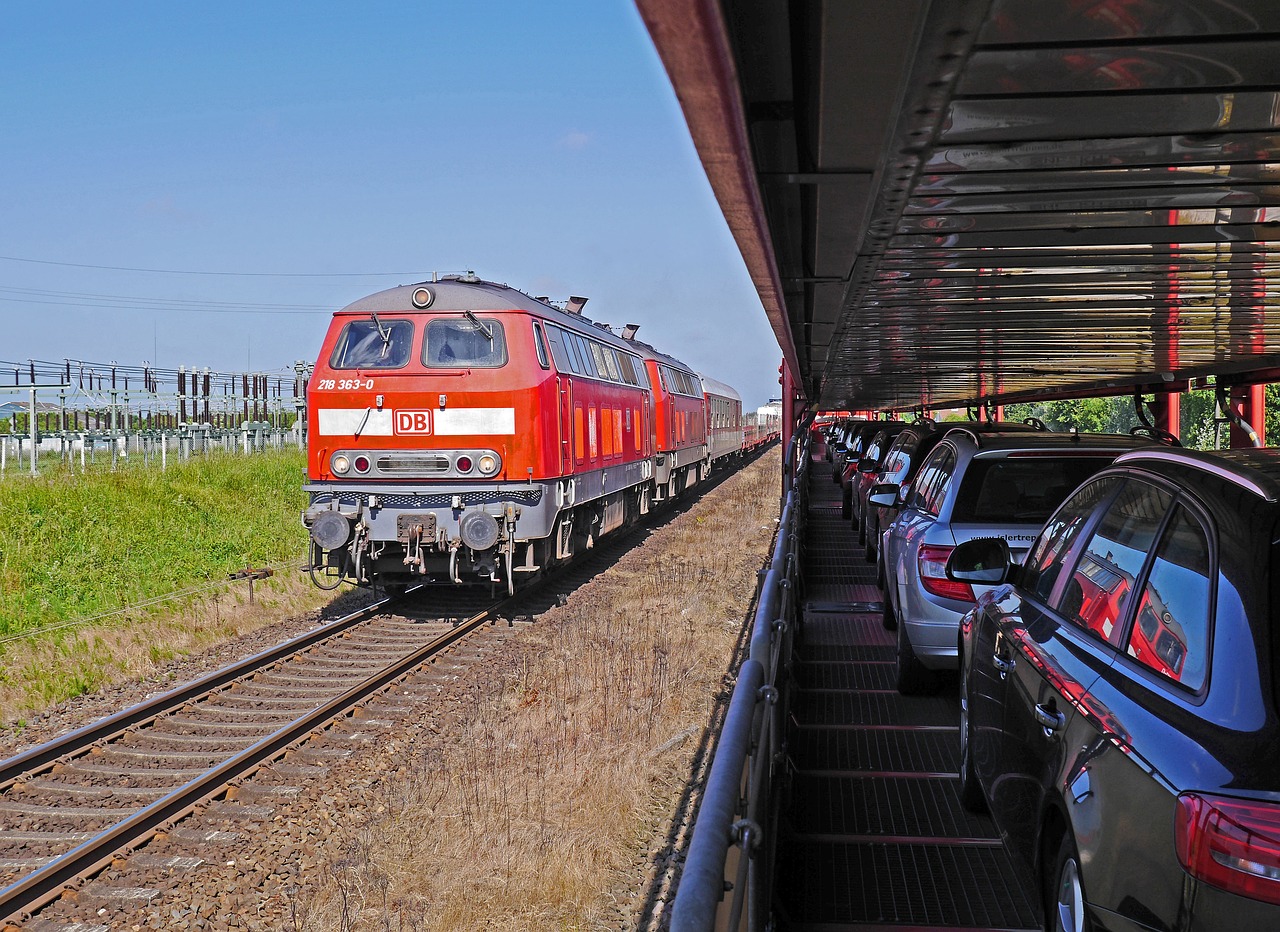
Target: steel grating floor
(873,833)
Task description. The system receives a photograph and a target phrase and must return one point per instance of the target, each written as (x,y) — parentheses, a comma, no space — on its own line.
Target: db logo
(413,422)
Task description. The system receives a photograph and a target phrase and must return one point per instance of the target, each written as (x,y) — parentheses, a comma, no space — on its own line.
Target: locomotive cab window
(473,342)
(373,344)
(540,346)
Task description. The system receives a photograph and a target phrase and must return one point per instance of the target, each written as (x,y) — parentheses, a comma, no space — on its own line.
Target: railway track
(70,806)
(83,804)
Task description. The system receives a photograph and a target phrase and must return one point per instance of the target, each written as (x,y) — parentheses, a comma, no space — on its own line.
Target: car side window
(898,458)
(928,473)
(1099,588)
(1171,632)
(1044,563)
(931,500)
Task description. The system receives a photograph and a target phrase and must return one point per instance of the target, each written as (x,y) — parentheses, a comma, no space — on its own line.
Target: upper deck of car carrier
(951,206)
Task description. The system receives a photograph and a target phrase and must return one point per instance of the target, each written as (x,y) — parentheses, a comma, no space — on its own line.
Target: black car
(1120,713)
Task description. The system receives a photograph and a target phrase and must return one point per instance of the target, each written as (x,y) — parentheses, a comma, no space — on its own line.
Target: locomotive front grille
(521,496)
(413,463)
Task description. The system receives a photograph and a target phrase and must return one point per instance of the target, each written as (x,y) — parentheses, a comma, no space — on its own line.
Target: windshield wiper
(488,334)
(384,332)
(363,421)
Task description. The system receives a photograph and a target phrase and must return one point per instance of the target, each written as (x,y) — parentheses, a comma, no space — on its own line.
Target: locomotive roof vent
(469,276)
(575,304)
(629,331)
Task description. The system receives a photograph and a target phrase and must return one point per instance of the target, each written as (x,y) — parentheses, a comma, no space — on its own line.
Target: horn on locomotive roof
(575,304)
(629,331)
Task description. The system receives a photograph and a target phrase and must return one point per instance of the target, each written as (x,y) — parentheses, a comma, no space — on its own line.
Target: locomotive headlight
(341,463)
(489,464)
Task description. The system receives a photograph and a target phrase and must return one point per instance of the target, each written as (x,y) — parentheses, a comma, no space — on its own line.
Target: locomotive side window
(642,374)
(584,356)
(478,343)
(370,344)
(559,349)
(575,357)
(627,368)
(540,346)
(597,353)
(611,363)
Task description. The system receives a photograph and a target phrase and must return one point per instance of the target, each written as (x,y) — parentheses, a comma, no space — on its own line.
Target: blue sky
(539,144)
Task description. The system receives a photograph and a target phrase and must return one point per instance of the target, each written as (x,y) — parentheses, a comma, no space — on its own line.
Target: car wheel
(1064,891)
(912,678)
(880,571)
(887,616)
(846,504)
(870,536)
(970,790)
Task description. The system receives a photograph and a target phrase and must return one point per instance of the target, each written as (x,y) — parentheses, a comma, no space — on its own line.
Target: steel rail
(41,756)
(47,883)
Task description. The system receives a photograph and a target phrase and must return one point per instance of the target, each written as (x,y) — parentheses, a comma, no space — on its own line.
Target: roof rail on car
(1156,433)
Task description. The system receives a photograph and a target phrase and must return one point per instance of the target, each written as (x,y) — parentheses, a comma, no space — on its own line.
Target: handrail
(737,813)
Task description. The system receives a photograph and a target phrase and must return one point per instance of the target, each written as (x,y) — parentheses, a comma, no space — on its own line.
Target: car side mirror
(884,495)
(986,560)
(867,464)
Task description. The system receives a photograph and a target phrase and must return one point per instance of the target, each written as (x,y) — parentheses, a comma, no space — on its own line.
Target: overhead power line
(123,268)
(131,302)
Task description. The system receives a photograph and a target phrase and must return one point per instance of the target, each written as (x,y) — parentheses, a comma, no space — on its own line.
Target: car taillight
(932,562)
(1233,844)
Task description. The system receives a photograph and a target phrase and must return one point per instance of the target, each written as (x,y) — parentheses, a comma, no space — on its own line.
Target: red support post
(1167,408)
(788,407)
(1250,402)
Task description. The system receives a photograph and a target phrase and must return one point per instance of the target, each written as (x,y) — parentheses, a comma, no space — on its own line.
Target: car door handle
(1004,666)
(1050,719)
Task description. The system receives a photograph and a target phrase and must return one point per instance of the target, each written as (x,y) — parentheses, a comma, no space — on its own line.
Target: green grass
(75,545)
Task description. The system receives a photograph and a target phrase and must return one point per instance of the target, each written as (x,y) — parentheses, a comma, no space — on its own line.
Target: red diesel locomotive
(462,431)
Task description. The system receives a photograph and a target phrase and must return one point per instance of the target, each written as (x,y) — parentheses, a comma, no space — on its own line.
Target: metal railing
(728,876)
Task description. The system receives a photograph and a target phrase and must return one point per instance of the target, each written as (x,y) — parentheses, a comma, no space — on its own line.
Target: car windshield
(1023,490)
(373,344)
(472,342)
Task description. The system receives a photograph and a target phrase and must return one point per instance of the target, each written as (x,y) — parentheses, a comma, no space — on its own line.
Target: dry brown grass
(543,809)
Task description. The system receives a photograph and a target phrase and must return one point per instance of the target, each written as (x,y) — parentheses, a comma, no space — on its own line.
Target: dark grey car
(1120,695)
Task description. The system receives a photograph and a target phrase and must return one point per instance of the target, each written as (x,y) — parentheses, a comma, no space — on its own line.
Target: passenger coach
(463,431)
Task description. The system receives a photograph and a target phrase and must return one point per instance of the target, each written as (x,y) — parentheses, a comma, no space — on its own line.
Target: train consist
(461,431)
